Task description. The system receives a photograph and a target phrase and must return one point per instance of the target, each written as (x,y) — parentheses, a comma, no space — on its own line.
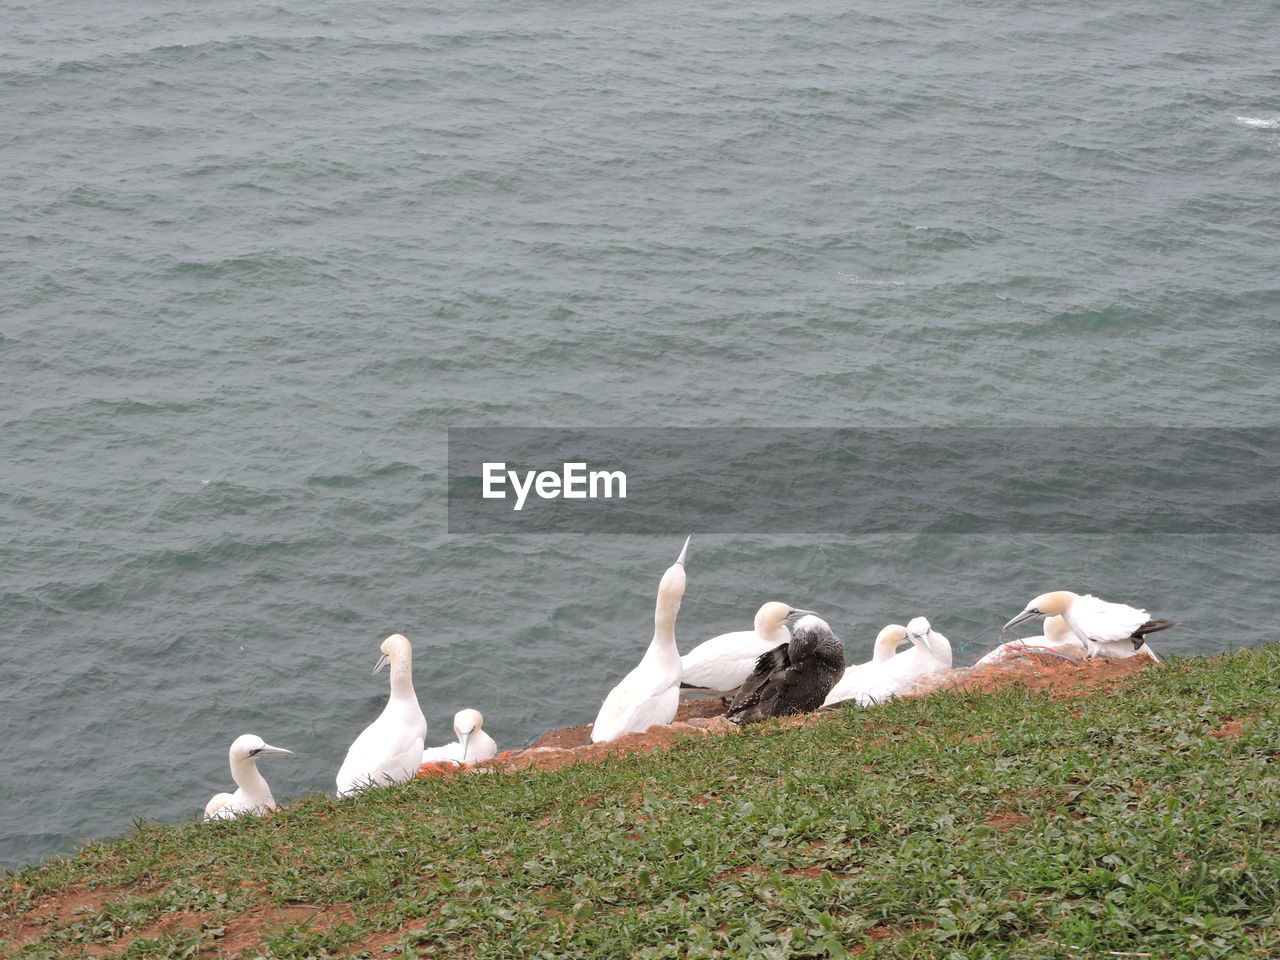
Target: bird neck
(662,648)
(245,773)
(402,678)
(939,646)
(774,635)
(886,646)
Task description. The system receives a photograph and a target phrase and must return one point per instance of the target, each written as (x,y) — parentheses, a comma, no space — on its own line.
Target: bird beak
(1021,618)
(923,638)
(795,615)
(269,751)
(466,738)
(382,662)
(684,550)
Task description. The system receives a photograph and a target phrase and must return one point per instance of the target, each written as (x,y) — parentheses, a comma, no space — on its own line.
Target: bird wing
(215,805)
(886,680)
(1104,622)
(622,714)
(449,751)
(722,662)
(482,747)
(387,749)
(641,697)
(762,687)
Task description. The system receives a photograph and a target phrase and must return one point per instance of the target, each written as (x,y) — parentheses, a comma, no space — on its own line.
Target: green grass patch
(1137,820)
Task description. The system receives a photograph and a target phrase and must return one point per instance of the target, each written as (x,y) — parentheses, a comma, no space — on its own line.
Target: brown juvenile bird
(793,677)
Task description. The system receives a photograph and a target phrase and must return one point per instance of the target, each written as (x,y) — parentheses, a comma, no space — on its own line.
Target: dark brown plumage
(1151,626)
(793,677)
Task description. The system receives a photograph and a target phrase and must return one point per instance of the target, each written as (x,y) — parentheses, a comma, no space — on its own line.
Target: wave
(1260,123)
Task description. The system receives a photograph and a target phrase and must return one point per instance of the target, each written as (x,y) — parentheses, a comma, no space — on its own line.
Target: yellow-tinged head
(887,642)
(1053,604)
(395,650)
(775,613)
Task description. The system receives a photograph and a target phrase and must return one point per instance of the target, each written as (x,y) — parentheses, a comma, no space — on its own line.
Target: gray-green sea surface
(256,260)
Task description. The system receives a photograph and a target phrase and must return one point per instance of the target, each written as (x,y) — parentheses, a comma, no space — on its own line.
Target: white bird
(855,677)
(390,749)
(1057,638)
(930,652)
(1112,631)
(650,693)
(719,666)
(252,793)
(472,745)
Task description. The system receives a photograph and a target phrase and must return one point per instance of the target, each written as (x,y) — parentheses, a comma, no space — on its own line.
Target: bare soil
(557,749)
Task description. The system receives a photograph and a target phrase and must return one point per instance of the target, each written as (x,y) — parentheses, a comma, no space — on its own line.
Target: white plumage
(472,745)
(649,694)
(930,652)
(389,750)
(1112,631)
(252,794)
(858,677)
(1057,638)
(720,665)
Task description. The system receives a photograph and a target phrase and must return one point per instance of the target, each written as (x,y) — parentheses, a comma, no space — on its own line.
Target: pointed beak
(465,739)
(795,615)
(1024,616)
(382,662)
(269,751)
(924,639)
(684,550)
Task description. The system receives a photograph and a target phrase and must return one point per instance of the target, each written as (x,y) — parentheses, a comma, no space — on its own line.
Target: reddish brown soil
(567,737)
(236,935)
(652,740)
(59,909)
(1037,672)
(1003,821)
(557,749)
(1228,731)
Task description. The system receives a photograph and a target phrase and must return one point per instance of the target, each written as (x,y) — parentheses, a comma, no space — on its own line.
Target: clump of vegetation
(1136,820)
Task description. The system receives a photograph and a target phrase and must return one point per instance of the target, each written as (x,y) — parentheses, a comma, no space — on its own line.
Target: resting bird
(252,793)
(793,677)
(472,745)
(857,677)
(719,666)
(1057,639)
(1112,631)
(650,693)
(930,652)
(390,749)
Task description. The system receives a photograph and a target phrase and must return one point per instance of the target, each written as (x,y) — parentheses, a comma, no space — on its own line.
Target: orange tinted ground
(557,749)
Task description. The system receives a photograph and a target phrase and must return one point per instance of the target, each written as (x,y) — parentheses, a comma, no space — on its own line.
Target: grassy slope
(966,825)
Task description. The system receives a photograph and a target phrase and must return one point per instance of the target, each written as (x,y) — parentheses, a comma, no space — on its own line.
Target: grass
(1138,820)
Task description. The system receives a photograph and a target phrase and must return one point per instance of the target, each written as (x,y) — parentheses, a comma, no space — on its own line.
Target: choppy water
(255,260)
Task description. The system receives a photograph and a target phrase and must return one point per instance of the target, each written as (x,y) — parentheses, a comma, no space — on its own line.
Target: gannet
(793,677)
(1112,631)
(930,652)
(856,677)
(472,745)
(1057,638)
(650,693)
(390,749)
(719,666)
(252,793)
